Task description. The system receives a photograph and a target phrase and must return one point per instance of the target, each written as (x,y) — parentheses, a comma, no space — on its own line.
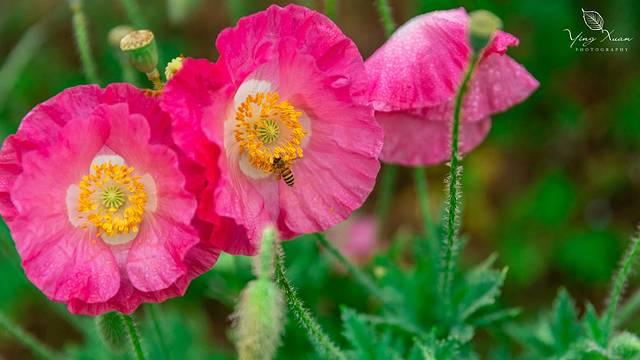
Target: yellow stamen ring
(267,128)
(112,199)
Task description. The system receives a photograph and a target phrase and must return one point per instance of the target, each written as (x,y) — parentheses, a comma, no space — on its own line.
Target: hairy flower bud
(482,25)
(259,320)
(259,317)
(112,330)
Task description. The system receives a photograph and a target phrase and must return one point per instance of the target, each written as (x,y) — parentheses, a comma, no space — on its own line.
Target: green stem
(629,308)
(619,283)
(38,348)
(330,8)
(81,34)
(157,326)
(361,277)
(384,11)
(321,341)
(420,178)
(387,184)
(133,336)
(134,14)
(451,245)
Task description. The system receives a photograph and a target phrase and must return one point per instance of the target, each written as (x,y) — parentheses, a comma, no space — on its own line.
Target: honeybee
(283,170)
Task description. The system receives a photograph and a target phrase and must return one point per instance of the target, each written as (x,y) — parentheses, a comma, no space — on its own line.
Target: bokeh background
(554,189)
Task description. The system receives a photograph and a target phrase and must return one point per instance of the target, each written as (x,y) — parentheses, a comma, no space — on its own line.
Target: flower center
(112,199)
(267,129)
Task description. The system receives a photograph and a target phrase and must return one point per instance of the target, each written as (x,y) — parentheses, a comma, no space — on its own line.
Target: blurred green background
(554,189)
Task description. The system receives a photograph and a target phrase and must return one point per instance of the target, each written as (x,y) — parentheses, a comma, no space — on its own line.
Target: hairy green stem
(134,14)
(420,178)
(387,183)
(451,244)
(361,277)
(136,346)
(81,33)
(330,8)
(28,341)
(157,327)
(628,309)
(626,266)
(386,17)
(321,341)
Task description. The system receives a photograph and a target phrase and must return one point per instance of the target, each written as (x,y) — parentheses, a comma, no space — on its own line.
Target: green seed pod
(482,25)
(112,330)
(141,47)
(259,320)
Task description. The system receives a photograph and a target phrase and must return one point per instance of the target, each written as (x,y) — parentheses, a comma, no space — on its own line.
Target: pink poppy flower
(414,77)
(97,204)
(286,104)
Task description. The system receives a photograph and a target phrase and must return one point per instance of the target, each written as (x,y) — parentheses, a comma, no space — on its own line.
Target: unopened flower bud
(173,67)
(112,330)
(259,320)
(482,24)
(117,33)
(141,47)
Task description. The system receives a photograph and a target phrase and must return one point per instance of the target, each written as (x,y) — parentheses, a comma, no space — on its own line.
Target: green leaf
(564,323)
(482,288)
(359,334)
(593,326)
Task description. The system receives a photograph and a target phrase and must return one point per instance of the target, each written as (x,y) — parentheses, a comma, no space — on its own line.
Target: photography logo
(598,38)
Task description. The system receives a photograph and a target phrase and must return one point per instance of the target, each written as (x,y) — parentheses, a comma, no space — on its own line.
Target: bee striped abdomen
(287,176)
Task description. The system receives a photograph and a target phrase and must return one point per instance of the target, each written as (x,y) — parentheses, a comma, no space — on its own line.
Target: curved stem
(134,337)
(361,277)
(629,308)
(81,34)
(619,283)
(26,339)
(157,326)
(321,341)
(451,245)
(384,10)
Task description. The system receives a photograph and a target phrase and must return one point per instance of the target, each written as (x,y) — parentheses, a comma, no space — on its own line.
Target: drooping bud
(141,47)
(482,25)
(173,67)
(259,317)
(117,33)
(112,330)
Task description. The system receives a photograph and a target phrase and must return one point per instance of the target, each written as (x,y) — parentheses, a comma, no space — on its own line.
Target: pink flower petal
(421,65)
(413,141)
(64,262)
(156,259)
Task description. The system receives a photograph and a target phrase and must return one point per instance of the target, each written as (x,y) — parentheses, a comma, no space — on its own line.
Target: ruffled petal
(413,141)
(156,259)
(498,83)
(257,39)
(421,64)
(64,262)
